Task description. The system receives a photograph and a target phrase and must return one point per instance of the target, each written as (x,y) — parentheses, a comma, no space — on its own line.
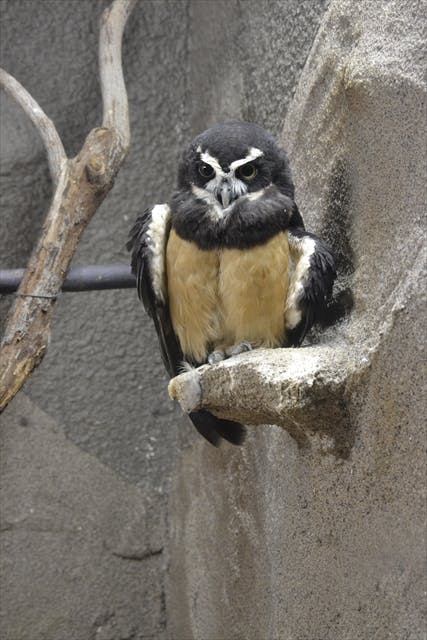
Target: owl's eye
(206,171)
(247,171)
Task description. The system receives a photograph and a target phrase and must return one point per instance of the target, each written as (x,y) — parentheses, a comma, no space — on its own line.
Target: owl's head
(232,160)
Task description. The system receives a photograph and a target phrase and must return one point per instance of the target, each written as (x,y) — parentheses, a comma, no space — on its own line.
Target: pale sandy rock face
(315,529)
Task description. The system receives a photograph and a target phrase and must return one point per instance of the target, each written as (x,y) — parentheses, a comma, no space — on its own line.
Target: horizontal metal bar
(91,277)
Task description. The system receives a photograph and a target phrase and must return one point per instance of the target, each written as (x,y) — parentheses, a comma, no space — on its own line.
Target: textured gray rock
(304,390)
(246,57)
(81,549)
(278,540)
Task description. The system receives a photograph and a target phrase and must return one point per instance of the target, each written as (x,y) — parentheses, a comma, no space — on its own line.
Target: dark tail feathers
(213,428)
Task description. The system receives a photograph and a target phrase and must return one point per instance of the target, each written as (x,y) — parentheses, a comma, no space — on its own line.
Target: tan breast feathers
(253,289)
(192,281)
(222,297)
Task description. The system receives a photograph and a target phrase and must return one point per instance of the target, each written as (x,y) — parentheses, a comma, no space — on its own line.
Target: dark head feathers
(229,141)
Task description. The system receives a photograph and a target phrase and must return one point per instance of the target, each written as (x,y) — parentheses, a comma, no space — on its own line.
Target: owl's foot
(240,347)
(216,356)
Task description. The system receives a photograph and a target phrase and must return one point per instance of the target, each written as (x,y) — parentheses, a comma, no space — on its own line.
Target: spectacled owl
(227,265)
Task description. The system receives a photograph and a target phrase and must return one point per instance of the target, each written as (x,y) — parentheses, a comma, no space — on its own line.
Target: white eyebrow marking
(253,154)
(205,156)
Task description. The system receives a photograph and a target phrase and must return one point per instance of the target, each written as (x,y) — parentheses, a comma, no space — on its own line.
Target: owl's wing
(147,241)
(311,283)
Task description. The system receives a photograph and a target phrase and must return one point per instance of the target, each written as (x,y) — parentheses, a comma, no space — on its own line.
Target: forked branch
(51,140)
(81,184)
(114,96)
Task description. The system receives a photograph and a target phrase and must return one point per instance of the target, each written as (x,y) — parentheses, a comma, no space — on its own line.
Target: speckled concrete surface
(82,549)
(187,64)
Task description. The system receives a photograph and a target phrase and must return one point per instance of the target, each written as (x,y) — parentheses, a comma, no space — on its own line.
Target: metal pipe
(91,277)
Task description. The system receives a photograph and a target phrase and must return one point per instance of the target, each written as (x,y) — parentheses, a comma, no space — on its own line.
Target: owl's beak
(224,195)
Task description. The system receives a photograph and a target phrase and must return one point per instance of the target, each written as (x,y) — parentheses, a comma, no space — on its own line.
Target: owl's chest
(221,297)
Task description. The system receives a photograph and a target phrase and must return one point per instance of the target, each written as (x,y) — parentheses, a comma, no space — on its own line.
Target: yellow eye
(206,170)
(247,171)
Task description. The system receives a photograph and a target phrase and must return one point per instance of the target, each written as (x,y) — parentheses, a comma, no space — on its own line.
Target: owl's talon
(240,347)
(216,356)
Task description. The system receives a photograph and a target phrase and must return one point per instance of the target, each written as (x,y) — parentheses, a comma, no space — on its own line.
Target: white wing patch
(156,242)
(301,250)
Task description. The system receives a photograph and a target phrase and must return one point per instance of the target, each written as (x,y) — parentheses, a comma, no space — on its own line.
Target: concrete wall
(102,382)
(84,517)
(117,520)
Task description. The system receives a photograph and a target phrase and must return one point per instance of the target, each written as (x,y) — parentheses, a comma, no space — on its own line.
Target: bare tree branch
(82,184)
(51,140)
(110,66)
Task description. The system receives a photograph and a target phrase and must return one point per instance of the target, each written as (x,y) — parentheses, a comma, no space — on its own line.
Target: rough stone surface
(278,541)
(81,549)
(246,58)
(187,65)
(304,390)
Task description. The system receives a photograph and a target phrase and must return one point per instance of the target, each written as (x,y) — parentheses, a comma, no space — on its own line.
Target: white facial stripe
(214,186)
(253,154)
(206,157)
(215,211)
(237,187)
(156,241)
(254,195)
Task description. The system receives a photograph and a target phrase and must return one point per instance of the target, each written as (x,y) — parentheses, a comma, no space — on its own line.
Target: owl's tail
(213,428)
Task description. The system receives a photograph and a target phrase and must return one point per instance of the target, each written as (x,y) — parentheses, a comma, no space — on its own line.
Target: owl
(227,265)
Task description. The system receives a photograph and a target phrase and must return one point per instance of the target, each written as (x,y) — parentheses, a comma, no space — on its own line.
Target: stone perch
(302,390)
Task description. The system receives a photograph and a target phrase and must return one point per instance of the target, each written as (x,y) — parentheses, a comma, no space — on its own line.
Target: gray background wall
(117,520)
(102,384)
